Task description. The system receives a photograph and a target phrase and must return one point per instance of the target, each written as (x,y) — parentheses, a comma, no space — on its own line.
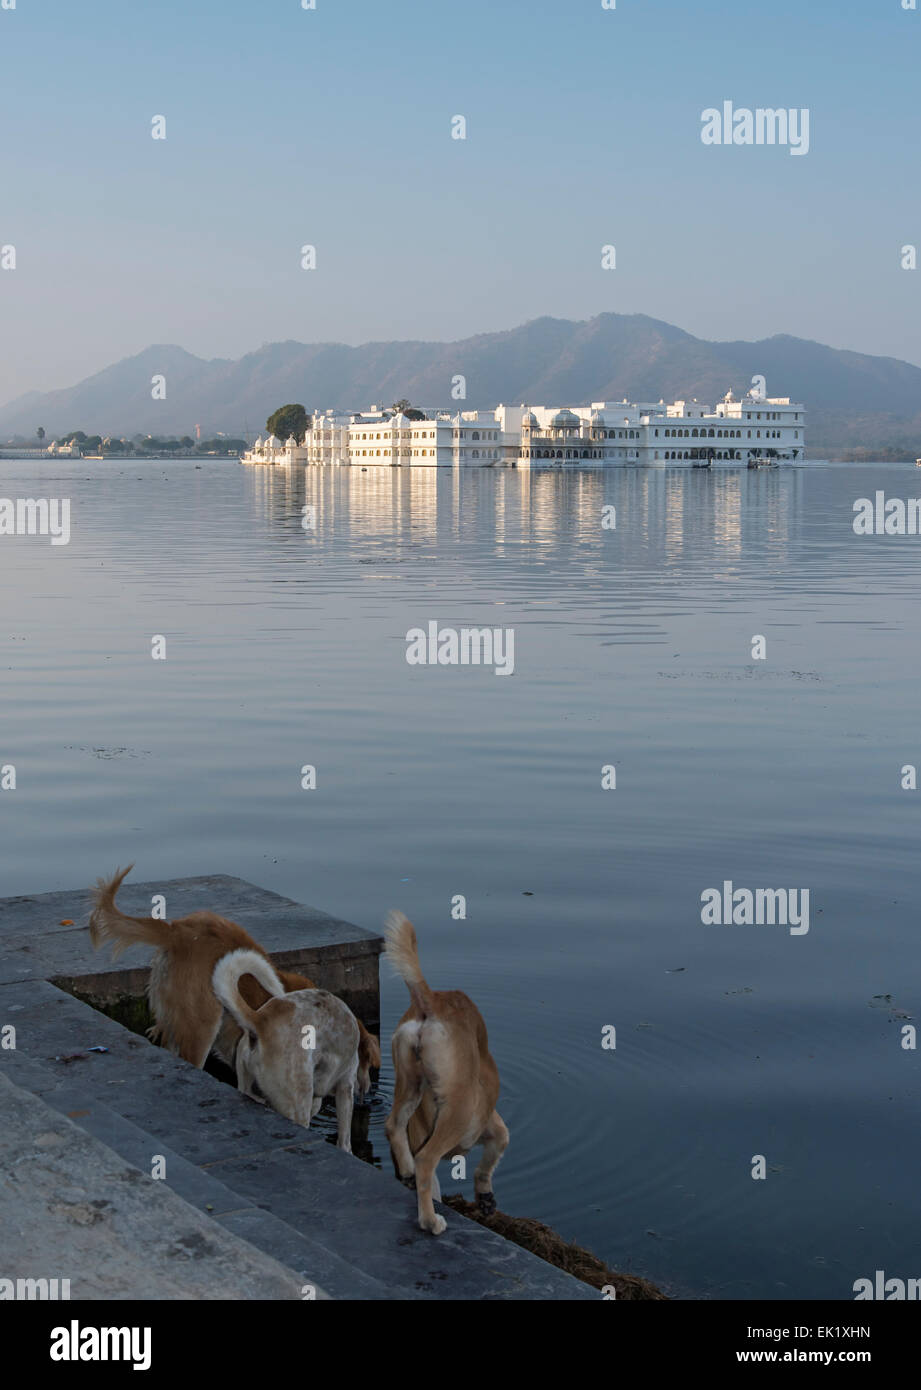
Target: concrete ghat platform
(310,1213)
(34,945)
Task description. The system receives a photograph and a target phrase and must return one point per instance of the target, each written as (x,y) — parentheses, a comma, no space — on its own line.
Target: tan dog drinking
(447,1084)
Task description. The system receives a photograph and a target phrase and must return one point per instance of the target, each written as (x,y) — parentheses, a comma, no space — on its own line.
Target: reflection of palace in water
(659,514)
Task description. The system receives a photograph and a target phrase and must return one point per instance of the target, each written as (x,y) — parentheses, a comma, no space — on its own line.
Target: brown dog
(447,1084)
(189,1019)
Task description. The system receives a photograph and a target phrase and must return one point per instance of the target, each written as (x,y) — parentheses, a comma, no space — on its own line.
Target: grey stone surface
(34,945)
(42,914)
(200,1117)
(72,1209)
(369,1220)
(310,1259)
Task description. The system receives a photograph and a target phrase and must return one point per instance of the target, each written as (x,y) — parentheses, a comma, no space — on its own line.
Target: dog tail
(402,950)
(107,923)
(226,983)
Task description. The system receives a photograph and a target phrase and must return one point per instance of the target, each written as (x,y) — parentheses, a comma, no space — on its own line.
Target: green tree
(288,420)
(410,411)
(40,432)
(222,445)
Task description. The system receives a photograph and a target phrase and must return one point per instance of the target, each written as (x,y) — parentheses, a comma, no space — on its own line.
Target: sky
(332,127)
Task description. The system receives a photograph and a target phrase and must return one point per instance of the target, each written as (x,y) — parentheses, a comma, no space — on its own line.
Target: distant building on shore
(736,431)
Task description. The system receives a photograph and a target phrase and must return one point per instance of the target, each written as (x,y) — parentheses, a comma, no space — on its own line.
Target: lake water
(633,648)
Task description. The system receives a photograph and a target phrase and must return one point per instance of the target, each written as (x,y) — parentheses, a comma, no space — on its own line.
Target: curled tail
(402,951)
(107,923)
(226,984)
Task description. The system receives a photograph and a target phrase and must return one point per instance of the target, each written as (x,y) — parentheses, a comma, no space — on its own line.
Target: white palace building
(753,429)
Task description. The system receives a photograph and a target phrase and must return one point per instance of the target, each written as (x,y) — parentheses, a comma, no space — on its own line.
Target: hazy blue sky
(288,126)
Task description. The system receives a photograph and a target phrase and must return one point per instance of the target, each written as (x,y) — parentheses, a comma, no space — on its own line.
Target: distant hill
(856,403)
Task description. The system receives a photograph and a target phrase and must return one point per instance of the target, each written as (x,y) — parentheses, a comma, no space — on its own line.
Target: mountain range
(857,405)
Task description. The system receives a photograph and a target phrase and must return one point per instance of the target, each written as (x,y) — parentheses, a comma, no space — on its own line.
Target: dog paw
(409,1182)
(437,1226)
(486,1203)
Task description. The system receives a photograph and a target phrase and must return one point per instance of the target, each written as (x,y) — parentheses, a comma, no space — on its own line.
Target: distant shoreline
(11,452)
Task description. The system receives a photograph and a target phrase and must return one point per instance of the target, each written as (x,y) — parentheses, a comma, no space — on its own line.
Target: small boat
(918,462)
(762,463)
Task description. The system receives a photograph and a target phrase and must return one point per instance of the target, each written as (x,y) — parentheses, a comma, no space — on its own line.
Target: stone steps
(318,1215)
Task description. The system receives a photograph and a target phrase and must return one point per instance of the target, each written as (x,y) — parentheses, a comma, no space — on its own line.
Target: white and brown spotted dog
(189,1019)
(447,1084)
(296,1049)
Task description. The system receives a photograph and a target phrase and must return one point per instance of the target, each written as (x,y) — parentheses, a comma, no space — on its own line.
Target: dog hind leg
(407,1093)
(345,1096)
(445,1138)
(495,1141)
(192,1038)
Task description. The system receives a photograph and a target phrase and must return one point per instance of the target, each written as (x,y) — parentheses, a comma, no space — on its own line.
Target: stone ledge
(71,1208)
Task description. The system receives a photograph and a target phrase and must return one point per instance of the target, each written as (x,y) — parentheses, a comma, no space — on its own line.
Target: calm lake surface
(633,648)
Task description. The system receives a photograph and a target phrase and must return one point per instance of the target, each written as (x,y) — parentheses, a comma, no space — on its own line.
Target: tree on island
(288,420)
(405,407)
(40,433)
